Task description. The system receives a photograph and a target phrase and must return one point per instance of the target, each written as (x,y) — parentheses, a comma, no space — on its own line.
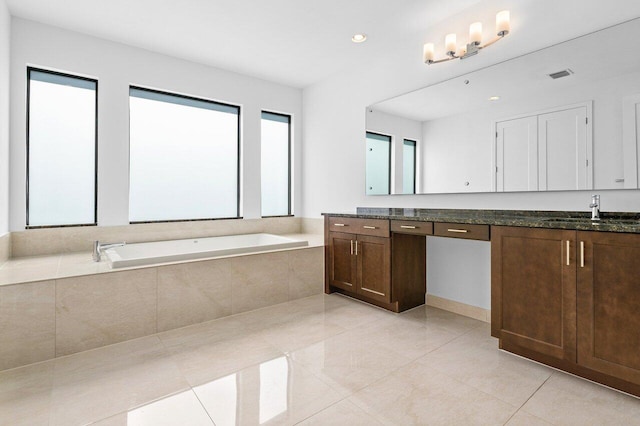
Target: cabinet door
(342,259)
(609,304)
(533,289)
(374,268)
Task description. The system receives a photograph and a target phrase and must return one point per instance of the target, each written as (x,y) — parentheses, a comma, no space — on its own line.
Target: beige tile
(98,310)
(29,269)
(350,361)
(474,359)
(5,247)
(96,384)
(340,414)
(183,408)
(459,308)
(568,400)
(306,272)
(193,293)
(27,323)
(276,391)
(259,280)
(416,394)
(523,419)
(209,351)
(450,321)
(25,395)
(300,332)
(312,225)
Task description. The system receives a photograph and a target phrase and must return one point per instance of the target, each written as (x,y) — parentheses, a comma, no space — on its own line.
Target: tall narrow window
(275,164)
(61,149)
(409,167)
(378,175)
(184,157)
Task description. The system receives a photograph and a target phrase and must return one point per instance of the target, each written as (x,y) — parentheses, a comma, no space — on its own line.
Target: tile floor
(322,360)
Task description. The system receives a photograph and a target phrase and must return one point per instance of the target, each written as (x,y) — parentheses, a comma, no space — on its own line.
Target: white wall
(116,66)
(5,37)
(334,154)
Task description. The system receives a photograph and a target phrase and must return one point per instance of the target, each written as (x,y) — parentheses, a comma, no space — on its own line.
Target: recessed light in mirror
(359,38)
(494,98)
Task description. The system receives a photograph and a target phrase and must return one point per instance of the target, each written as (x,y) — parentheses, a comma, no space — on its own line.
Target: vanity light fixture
(359,38)
(503,26)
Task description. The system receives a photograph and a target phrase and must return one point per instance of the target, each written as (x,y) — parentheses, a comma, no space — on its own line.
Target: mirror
(562,118)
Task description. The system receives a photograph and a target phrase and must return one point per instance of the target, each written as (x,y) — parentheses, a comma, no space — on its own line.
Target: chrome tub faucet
(595,207)
(98,247)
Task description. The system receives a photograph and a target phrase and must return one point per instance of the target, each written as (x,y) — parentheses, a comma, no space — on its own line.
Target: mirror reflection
(563,118)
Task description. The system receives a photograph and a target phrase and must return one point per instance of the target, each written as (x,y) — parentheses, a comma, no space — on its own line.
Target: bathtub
(172,251)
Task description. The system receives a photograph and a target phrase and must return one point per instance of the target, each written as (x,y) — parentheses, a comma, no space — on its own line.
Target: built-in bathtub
(139,254)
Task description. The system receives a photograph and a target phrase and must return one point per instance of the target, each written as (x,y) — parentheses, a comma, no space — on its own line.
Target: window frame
(415,157)
(28,130)
(289,161)
(238,148)
(390,137)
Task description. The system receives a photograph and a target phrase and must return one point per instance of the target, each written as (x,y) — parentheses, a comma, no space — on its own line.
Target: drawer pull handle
(408,227)
(339,224)
(352,247)
(568,248)
(461,231)
(356,247)
(370,227)
(582,254)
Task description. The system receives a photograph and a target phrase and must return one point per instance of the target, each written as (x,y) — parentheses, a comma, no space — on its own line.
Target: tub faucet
(98,247)
(595,207)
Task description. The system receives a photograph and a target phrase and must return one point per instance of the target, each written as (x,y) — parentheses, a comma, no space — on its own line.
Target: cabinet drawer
(461,230)
(351,225)
(412,227)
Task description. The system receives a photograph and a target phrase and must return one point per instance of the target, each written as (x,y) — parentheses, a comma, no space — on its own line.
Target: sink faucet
(98,247)
(595,207)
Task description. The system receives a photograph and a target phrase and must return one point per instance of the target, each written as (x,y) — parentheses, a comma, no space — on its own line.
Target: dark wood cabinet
(609,304)
(534,289)
(570,299)
(366,261)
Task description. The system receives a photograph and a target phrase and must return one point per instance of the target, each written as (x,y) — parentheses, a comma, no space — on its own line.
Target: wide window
(184,157)
(61,149)
(378,175)
(276,164)
(409,167)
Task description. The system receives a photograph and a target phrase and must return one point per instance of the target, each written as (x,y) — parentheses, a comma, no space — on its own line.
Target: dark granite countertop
(610,222)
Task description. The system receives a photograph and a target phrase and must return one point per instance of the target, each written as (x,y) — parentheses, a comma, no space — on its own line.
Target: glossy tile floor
(323,360)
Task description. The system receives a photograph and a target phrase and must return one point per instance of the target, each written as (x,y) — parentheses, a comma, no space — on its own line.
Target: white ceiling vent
(560,74)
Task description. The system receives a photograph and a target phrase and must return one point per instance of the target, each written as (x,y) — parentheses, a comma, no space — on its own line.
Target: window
(378,176)
(61,149)
(275,164)
(184,157)
(409,167)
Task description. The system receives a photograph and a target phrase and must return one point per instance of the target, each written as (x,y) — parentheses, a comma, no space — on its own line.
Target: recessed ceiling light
(359,38)
(494,98)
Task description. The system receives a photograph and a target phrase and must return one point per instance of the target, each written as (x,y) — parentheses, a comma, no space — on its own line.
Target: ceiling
(302,42)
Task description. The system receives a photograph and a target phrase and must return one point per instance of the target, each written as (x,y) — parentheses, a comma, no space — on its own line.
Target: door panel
(342,262)
(374,267)
(517,155)
(533,289)
(609,303)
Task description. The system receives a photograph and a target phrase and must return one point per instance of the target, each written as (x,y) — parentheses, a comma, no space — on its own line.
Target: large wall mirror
(563,118)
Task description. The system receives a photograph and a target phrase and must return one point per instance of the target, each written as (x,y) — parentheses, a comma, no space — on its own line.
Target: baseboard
(459,308)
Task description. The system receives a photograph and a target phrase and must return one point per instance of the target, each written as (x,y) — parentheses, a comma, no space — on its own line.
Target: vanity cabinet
(378,261)
(570,299)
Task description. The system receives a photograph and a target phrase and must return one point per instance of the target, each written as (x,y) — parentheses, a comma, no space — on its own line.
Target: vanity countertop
(610,222)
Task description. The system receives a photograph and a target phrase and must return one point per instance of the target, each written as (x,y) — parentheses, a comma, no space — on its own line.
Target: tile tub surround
(37,242)
(5,247)
(628,222)
(430,367)
(70,314)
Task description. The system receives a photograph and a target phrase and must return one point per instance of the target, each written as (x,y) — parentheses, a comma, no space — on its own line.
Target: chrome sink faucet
(98,247)
(595,207)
